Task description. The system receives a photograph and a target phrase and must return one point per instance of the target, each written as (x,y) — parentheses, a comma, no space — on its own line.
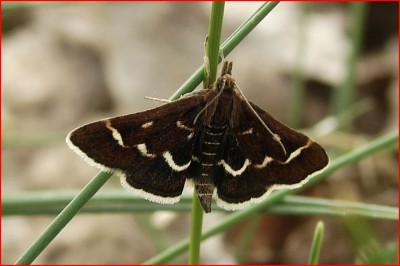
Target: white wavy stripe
(142,148)
(229,169)
(170,161)
(238,206)
(183,126)
(146,195)
(87,159)
(293,155)
(115,134)
(266,161)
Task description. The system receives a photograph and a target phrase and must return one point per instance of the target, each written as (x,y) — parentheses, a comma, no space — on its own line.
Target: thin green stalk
(296,105)
(16,142)
(63,218)
(152,231)
(15,5)
(119,201)
(379,144)
(213,43)
(195,231)
(230,43)
(344,96)
(380,254)
(297,205)
(246,237)
(316,244)
(243,30)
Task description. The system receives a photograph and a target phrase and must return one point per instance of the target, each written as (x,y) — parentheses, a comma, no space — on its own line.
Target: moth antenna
(157,99)
(226,68)
(229,68)
(207,105)
(223,70)
(274,136)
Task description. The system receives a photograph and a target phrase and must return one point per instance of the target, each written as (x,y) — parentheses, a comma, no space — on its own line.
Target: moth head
(225,81)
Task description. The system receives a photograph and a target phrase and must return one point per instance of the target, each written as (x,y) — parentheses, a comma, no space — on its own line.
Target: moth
(214,137)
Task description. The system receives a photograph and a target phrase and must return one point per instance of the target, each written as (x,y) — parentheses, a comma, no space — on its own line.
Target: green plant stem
(214,35)
(227,46)
(246,237)
(296,105)
(16,142)
(316,244)
(63,218)
(344,96)
(236,217)
(155,234)
(195,230)
(118,201)
(298,205)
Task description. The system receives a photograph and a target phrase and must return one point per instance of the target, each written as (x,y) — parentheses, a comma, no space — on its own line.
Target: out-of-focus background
(67,64)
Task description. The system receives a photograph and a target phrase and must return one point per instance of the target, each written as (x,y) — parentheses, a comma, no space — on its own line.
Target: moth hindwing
(225,144)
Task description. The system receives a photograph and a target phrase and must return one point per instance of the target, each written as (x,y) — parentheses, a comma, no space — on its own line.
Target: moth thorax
(224,110)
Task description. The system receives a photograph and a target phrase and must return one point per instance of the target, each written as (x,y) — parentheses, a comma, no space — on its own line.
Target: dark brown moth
(214,137)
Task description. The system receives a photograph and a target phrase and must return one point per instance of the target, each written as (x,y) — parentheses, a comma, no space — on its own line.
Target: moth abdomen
(208,156)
